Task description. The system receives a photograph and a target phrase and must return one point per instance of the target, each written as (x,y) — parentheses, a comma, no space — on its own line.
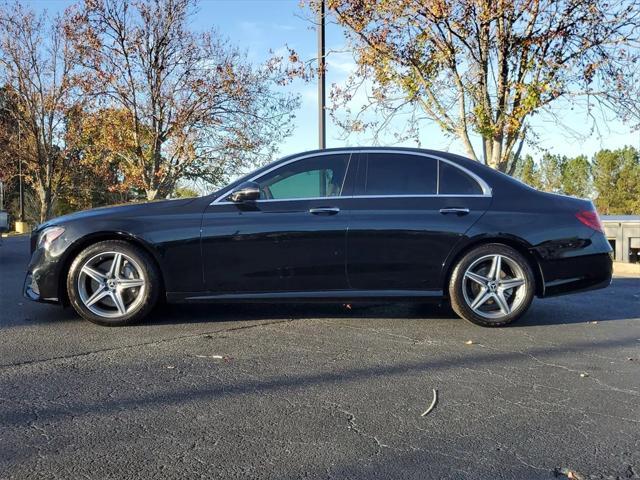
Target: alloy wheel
(111,284)
(494,285)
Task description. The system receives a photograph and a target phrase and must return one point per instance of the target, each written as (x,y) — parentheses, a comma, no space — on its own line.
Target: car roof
(474,165)
(380,148)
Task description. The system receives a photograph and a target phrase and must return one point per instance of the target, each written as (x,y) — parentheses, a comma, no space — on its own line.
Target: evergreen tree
(576,177)
(551,172)
(528,172)
(616,180)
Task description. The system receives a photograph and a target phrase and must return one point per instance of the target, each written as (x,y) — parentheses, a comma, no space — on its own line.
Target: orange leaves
(107,139)
(439,8)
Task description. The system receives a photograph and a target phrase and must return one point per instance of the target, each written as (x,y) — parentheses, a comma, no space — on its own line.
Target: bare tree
(478,68)
(197,108)
(623,87)
(40,66)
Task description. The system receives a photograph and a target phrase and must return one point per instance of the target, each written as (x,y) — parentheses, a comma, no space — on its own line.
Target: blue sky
(261,26)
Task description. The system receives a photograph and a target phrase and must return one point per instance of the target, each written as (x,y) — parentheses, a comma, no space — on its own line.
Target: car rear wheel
(113,283)
(492,285)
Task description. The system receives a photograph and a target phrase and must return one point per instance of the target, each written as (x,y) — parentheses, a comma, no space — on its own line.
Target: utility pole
(322,123)
(21,198)
(20,180)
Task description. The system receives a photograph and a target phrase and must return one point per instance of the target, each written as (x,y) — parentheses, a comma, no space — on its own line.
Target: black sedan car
(337,225)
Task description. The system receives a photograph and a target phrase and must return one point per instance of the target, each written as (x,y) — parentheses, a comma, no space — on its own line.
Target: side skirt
(327,296)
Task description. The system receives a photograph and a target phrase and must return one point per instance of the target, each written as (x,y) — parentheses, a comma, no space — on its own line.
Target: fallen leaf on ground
(572,474)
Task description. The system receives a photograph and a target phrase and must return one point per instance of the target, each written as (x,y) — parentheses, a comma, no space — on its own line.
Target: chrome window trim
(421,195)
(352,197)
(484,186)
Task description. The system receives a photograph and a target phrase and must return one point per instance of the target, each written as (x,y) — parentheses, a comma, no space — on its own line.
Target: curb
(13,234)
(621,269)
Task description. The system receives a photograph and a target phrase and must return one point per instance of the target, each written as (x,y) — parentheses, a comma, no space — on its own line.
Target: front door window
(316,177)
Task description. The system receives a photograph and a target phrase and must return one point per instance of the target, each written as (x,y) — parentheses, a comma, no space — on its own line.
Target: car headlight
(48,235)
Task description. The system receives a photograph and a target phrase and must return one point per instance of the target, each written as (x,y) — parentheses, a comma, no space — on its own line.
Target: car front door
(407,213)
(292,239)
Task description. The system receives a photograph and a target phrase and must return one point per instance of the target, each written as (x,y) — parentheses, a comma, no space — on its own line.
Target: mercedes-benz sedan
(338,225)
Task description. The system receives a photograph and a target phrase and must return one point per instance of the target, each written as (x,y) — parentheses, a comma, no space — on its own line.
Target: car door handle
(324,210)
(457,211)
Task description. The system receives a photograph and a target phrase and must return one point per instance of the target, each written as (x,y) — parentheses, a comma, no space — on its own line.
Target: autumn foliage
(120,98)
(480,69)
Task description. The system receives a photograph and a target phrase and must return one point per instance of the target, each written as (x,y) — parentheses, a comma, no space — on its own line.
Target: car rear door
(292,239)
(407,213)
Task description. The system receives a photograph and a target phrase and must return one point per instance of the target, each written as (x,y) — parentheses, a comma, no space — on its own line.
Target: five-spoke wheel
(113,283)
(492,285)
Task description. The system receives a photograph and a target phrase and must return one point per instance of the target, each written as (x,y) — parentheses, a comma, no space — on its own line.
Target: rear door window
(399,174)
(454,181)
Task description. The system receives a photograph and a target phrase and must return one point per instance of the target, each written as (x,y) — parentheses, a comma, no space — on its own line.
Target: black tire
(499,319)
(145,301)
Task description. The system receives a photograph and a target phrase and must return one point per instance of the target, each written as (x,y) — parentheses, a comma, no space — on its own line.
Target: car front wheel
(492,285)
(113,283)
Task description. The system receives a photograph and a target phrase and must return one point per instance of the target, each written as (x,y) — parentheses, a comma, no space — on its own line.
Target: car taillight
(591,219)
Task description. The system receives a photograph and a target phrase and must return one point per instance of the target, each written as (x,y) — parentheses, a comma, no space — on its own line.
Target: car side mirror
(245,192)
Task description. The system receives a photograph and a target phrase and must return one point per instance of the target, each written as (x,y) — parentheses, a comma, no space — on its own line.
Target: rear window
(454,181)
(400,174)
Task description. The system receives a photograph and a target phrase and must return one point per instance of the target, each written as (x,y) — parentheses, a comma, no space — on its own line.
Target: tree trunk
(152,193)
(496,154)
(45,198)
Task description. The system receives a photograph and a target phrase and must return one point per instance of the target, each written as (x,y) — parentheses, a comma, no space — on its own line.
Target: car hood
(115,211)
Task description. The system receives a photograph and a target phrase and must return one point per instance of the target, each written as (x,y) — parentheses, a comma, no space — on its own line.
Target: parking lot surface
(319,391)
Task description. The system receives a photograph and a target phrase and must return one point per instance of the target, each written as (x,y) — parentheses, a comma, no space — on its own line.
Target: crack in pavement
(562,367)
(351,420)
(141,344)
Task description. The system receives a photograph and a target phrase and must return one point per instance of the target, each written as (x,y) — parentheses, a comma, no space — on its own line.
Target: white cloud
(284,27)
(341,62)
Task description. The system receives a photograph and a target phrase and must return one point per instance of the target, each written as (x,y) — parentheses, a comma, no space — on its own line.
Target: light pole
(322,134)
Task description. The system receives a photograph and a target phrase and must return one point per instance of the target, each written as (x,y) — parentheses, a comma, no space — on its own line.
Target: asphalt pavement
(319,391)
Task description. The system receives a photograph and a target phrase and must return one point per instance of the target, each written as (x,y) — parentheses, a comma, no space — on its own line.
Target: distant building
(623,232)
